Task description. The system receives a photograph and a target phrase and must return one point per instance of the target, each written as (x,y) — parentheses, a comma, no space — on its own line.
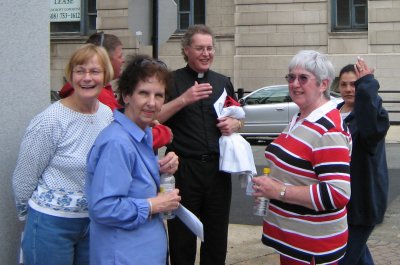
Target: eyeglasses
(302,78)
(201,49)
(146,61)
(93,72)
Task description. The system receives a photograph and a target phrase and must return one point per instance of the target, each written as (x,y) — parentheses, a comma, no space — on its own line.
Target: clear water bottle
(244,178)
(260,207)
(167,184)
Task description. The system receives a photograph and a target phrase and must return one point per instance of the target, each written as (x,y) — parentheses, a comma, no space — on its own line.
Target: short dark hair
(346,69)
(109,41)
(191,31)
(139,68)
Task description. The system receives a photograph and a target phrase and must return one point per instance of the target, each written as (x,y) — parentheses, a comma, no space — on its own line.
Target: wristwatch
(283,193)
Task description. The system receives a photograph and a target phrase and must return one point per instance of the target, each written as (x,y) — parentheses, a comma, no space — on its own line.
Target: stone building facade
(257,38)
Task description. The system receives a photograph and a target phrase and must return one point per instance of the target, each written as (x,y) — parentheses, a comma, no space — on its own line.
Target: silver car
(269,110)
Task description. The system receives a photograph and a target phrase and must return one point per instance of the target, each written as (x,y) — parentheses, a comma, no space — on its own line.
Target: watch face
(283,192)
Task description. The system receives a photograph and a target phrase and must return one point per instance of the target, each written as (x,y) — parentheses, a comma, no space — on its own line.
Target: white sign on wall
(65,10)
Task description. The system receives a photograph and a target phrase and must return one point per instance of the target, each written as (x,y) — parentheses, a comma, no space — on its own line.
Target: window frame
(191,13)
(85,28)
(352,26)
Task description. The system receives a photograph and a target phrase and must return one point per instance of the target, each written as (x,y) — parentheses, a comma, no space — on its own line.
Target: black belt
(202,158)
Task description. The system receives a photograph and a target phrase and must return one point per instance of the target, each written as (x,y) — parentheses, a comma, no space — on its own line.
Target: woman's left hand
(169,163)
(361,68)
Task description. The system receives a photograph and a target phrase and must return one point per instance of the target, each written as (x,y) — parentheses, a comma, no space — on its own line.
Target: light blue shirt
(123,173)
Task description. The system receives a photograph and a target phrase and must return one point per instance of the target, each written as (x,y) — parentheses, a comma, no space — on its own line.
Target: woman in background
(368,122)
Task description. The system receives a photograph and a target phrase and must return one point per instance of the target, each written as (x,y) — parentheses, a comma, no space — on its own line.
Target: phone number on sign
(65,16)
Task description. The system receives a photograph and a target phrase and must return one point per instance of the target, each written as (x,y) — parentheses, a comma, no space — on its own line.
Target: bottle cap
(266,170)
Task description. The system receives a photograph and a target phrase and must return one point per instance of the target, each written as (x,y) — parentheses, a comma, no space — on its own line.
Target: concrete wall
(24,85)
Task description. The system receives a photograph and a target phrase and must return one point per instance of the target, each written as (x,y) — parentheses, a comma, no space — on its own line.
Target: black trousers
(357,252)
(206,192)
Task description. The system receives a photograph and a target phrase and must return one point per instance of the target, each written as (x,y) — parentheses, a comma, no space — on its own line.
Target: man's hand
(196,93)
(228,125)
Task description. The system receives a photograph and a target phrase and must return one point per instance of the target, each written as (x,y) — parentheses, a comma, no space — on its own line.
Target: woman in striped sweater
(309,184)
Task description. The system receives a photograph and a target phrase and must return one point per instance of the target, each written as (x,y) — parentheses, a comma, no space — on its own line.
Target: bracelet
(283,193)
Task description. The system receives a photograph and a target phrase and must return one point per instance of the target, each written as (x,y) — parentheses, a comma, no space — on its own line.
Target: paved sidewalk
(384,242)
(245,247)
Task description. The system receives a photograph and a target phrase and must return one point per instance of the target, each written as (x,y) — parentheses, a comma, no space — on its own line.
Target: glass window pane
(92,6)
(359,2)
(88,18)
(184,21)
(199,12)
(92,23)
(65,27)
(360,16)
(343,13)
(184,5)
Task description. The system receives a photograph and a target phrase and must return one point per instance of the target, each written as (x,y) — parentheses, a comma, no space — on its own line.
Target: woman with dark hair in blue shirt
(123,174)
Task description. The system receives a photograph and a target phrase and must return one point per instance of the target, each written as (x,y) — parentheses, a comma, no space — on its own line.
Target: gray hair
(317,64)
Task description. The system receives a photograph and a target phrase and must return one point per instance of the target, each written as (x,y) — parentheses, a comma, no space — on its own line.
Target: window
(73,17)
(190,12)
(269,95)
(349,15)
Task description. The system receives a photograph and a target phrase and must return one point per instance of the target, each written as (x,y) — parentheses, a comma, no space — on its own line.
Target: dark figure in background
(113,46)
(368,122)
(204,189)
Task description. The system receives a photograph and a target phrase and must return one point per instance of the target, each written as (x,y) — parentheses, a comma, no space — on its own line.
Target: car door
(267,111)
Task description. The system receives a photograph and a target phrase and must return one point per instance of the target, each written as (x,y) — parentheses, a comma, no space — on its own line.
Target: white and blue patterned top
(51,166)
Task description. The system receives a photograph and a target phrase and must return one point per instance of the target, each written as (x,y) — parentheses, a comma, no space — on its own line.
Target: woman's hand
(265,186)
(361,68)
(169,163)
(165,201)
(268,187)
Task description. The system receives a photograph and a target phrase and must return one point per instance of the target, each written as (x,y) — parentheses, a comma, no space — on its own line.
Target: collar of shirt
(313,117)
(108,87)
(132,129)
(319,112)
(196,74)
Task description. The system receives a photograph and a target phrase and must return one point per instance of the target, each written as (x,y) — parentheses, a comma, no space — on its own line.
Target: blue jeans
(51,240)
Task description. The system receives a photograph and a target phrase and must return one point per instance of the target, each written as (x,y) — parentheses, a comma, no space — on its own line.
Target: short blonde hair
(83,54)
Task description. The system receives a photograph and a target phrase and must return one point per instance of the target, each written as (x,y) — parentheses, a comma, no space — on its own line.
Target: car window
(269,96)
